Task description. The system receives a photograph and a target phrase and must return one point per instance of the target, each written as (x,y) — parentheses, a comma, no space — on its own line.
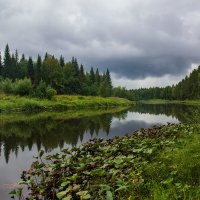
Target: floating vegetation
(144,165)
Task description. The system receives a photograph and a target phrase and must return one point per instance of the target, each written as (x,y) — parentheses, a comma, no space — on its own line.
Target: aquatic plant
(119,168)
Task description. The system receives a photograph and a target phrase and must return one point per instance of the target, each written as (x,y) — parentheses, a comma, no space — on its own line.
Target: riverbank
(156,163)
(9,103)
(163,101)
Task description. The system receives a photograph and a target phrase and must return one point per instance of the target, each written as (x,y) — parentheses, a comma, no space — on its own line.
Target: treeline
(64,77)
(188,88)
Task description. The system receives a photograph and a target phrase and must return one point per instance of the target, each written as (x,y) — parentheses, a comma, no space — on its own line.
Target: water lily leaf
(60,195)
(63,184)
(68,197)
(84,195)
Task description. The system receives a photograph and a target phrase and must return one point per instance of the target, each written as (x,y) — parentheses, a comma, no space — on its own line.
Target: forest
(186,89)
(48,76)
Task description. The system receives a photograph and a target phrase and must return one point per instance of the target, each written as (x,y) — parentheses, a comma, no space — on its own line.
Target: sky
(144,43)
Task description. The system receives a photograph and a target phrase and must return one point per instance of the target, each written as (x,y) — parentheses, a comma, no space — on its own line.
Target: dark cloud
(133,38)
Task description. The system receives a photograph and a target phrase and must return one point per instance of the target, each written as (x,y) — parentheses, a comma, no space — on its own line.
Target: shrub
(23,87)
(7,86)
(40,90)
(43,91)
(50,92)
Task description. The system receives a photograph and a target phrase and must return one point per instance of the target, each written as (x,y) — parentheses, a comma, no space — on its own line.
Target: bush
(7,86)
(50,92)
(23,87)
(43,91)
(40,90)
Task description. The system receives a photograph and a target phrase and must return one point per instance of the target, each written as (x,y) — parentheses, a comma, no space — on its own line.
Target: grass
(10,103)
(156,163)
(163,101)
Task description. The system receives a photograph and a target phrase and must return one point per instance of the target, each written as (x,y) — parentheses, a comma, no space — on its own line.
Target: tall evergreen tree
(108,78)
(62,61)
(81,74)
(38,75)
(76,67)
(7,63)
(13,74)
(1,66)
(97,77)
(92,76)
(30,69)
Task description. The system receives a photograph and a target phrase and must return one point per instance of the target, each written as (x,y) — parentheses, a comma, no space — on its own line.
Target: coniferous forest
(24,76)
(48,76)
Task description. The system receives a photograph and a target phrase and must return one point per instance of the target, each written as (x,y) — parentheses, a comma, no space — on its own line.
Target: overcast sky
(143,42)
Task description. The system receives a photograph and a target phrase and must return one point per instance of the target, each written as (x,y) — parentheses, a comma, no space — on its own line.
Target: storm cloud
(135,39)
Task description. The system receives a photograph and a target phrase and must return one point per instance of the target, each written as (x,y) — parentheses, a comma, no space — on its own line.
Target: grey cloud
(132,38)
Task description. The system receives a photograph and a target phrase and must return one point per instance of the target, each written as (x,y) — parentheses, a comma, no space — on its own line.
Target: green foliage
(7,86)
(23,87)
(59,102)
(43,91)
(131,167)
(65,78)
(50,92)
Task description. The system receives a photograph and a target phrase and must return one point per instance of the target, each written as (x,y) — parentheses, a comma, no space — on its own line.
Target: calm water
(21,139)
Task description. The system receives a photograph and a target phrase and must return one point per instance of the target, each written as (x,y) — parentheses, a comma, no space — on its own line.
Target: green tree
(75,67)
(97,77)
(62,61)
(38,75)
(1,66)
(7,63)
(30,69)
(52,73)
(92,76)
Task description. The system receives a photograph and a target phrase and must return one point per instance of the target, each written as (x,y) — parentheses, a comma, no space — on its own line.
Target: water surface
(21,137)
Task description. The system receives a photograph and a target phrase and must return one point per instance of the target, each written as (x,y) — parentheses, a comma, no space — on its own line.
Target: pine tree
(62,61)
(108,79)
(76,68)
(7,62)
(13,74)
(92,76)
(1,66)
(38,76)
(97,77)
(30,69)
(81,74)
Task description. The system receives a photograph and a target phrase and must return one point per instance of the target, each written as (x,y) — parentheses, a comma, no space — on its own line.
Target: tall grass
(10,103)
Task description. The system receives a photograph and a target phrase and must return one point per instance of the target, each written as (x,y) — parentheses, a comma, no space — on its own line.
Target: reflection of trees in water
(49,133)
(184,113)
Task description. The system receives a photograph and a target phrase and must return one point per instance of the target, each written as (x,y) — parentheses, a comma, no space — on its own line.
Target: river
(22,136)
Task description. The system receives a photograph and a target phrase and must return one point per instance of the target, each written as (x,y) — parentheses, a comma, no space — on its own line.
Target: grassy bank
(162,101)
(9,118)
(157,163)
(10,103)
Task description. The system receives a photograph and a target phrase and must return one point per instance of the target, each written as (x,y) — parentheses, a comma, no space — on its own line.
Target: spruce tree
(92,76)
(108,79)
(97,77)
(30,69)
(38,75)
(81,74)
(62,61)
(1,66)
(7,62)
